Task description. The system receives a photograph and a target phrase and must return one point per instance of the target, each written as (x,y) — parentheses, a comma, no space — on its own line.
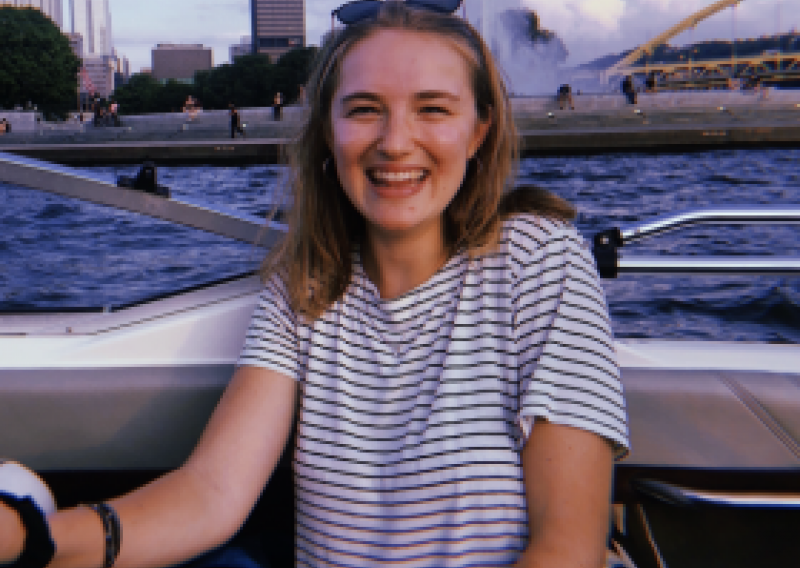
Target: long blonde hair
(315,256)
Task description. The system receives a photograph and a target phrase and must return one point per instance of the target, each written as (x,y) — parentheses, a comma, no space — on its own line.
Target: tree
(139,95)
(246,82)
(172,95)
(296,66)
(250,81)
(36,62)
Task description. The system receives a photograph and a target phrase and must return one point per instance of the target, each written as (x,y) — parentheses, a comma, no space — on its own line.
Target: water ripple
(58,252)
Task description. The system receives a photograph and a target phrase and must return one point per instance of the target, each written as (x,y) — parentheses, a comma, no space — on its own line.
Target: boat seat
(674,526)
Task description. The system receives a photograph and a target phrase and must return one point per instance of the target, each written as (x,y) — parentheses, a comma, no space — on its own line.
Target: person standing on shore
(236,122)
(277,106)
(439,339)
(629,90)
(114,110)
(650,84)
(564,97)
(190,108)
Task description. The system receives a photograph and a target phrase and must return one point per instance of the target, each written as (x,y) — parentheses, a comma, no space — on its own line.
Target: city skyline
(54,9)
(590,28)
(92,20)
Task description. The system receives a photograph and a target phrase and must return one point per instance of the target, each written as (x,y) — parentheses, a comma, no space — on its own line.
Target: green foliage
(139,95)
(143,94)
(250,81)
(36,62)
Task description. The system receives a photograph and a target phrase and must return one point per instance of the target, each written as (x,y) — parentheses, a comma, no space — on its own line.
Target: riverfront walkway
(599,123)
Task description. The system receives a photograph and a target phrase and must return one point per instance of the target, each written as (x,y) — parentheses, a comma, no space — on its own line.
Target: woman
(446,346)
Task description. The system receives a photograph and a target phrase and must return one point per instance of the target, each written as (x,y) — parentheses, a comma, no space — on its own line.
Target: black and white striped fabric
(414,410)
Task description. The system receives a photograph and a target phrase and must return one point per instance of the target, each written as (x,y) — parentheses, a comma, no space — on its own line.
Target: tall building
(76,43)
(51,8)
(122,73)
(97,75)
(180,61)
(92,19)
(244,47)
(278,26)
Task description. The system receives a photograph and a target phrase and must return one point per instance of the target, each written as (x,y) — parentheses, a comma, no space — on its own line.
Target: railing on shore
(30,122)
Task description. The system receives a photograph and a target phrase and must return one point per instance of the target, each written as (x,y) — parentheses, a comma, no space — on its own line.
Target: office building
(244,47)
(124,67)
(123,72)
(51,8)
(278,26)
(97,75)
(76,44)
(92,19)
(180,61)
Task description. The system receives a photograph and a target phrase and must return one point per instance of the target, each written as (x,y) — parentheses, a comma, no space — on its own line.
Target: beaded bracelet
(39,548)
(112,532)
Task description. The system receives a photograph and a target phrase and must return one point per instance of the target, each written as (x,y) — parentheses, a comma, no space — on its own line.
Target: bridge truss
(775,69)
(772,68)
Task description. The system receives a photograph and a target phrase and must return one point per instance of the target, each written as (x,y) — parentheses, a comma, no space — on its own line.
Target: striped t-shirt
(413,410)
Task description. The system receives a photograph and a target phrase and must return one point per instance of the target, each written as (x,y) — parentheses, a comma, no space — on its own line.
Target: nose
(396,137)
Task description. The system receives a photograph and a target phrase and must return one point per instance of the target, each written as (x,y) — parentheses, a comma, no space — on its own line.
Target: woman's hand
(12,535)
(201,504)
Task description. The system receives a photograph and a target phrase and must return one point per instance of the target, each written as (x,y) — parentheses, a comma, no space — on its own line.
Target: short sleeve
(565,350)
(272,341)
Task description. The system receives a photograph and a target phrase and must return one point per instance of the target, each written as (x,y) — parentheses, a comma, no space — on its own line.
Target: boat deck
(132,388)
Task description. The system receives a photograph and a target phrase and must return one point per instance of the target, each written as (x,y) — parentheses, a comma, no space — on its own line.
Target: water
(57,252)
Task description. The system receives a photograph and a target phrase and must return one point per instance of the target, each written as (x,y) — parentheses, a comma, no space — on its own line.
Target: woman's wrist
(12,535)
(38,547)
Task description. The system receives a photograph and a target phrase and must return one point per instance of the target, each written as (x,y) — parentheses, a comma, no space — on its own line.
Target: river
(61,253)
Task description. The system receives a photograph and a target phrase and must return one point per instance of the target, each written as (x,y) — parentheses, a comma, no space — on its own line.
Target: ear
(479,135)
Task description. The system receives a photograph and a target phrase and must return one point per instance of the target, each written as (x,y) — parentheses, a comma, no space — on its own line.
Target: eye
(434,110)
(362,110)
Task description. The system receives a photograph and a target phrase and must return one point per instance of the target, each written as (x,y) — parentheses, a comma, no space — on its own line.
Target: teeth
(398,177)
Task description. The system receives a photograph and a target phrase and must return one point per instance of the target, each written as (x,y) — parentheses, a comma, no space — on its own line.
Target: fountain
(531,68)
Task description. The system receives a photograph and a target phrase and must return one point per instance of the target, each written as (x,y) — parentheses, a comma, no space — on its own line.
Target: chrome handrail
(745,215)
(611,263)
(709,265)
(67,182)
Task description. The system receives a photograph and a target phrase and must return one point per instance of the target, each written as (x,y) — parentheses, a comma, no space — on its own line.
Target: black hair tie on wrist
(112,532)
(39,547)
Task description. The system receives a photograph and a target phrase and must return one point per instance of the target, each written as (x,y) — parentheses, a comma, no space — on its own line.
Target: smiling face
(404,124)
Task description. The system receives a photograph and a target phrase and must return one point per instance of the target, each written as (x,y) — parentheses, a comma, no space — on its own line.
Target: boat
(101,401)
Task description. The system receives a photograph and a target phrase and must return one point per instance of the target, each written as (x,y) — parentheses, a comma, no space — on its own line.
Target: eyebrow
(360,95)
(423,95)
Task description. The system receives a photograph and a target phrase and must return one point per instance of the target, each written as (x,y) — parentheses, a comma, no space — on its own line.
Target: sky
(590,28)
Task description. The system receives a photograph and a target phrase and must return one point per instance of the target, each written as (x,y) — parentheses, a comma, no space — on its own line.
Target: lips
(395,178)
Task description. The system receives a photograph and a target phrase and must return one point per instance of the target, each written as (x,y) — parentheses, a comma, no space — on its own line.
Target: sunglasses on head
(358,10)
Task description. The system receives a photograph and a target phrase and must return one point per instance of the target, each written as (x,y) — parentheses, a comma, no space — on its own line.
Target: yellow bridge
(774,66)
